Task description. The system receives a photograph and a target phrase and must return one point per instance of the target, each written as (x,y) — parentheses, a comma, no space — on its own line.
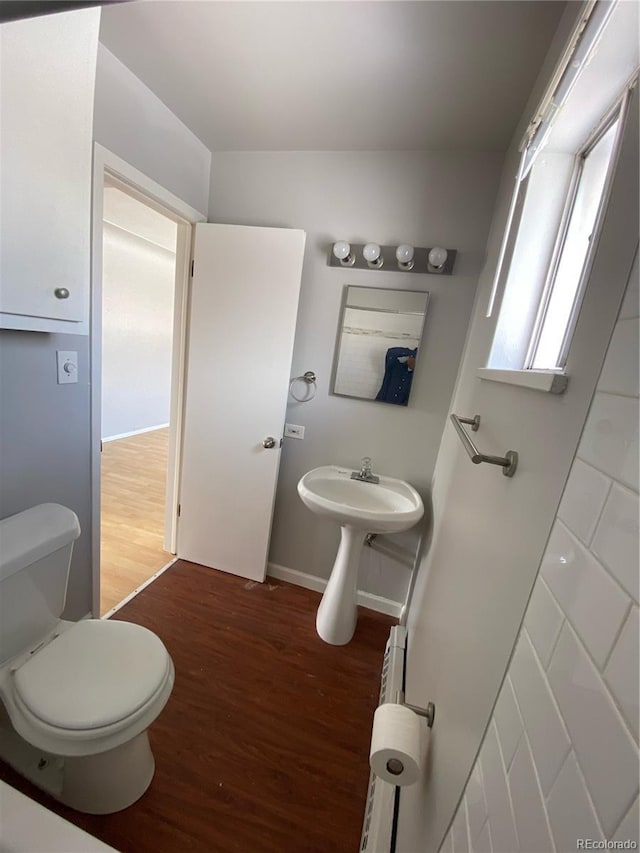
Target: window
(569,154)
(565,285)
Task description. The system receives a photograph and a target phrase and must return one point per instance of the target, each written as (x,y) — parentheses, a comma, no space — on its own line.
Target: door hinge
(179,510)
(100,445)
(192,265)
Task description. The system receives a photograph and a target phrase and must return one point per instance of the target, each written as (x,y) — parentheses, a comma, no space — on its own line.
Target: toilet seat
(90,689)
(93,675)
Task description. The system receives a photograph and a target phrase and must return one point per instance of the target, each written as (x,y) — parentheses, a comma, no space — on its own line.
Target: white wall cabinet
(47,83)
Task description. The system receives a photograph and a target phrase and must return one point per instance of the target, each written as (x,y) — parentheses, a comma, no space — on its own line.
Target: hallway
(134,474)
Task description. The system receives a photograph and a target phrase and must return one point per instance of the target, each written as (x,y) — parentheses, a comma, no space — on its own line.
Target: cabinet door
(47,73)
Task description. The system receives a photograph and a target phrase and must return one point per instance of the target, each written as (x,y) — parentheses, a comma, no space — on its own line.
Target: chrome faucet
(364,474)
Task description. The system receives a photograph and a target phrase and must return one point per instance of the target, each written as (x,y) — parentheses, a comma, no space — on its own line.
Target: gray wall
(45,436)
(44,440)
(132,122)
(424,198)
(472,590)
(583,609)
(137,332)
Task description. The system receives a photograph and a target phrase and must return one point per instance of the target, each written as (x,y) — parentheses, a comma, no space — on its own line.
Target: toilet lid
(94,674)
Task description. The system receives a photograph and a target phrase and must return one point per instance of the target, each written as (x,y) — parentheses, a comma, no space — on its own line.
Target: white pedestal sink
(388,506)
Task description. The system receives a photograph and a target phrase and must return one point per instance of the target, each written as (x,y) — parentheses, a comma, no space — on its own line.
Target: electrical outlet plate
(294,431)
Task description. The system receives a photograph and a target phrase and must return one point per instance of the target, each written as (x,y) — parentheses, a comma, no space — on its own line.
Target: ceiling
(367,75)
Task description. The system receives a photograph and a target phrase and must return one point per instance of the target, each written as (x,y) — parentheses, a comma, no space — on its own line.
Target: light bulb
(372,255)
(341,250)
(371,252)
(438,257)
(404,254)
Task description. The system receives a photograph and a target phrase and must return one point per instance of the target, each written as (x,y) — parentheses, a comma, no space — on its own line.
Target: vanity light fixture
(437,259)
(342,251)
(372,254)
(404,256)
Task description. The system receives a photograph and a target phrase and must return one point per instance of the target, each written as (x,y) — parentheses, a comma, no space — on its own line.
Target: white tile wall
(602,743)
(503,830)
(629,825)
(460,831)
(543,621)
(542,720)
(610,438)
(583,499)
(508,722)
(623,681)
(616,539)
(569,808)
(483,842)
(475,803)
(528,802)
(595,603)
(447,847)
(560,759)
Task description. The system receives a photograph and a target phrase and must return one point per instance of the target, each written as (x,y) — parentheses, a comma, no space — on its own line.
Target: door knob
(269,442)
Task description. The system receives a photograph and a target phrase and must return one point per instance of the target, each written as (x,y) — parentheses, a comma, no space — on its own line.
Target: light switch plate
(67,366)
(294,431)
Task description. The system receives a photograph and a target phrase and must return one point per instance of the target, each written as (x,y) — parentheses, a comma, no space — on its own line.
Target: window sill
(549,381)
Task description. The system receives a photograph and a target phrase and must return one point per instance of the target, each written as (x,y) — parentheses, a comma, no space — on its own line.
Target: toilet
(76,698)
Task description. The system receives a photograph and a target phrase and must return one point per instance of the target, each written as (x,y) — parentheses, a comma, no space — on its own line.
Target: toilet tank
(35,554)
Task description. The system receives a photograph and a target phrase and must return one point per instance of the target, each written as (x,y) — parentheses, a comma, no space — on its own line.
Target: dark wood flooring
(263,745)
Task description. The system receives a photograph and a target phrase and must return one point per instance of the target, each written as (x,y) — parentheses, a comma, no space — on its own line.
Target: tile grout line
(600,672)
(600,513)
(602,565)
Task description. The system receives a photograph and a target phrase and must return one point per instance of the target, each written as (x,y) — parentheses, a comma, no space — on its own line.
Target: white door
(244,302)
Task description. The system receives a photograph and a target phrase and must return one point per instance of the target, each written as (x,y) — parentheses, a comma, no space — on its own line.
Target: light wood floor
(134,474)
(263,746)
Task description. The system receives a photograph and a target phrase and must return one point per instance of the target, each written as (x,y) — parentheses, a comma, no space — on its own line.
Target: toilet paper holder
(429,713)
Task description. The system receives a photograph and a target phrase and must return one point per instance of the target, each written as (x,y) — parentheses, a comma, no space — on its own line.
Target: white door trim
(106,162)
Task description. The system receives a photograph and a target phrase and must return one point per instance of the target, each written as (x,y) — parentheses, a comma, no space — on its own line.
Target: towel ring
(309,378)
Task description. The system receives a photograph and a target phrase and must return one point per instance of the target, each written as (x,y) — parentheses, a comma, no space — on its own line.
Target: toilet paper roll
(396,744)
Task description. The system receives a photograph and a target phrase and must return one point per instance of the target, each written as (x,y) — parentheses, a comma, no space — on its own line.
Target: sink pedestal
(337,614)
(380,505)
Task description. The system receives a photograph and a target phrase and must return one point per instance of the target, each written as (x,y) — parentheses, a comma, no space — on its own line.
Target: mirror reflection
(378,342)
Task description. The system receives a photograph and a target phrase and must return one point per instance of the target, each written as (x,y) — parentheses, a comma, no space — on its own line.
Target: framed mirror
(378,344)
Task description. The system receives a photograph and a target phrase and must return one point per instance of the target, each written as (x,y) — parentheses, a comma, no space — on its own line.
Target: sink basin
(385,507)
(388,506)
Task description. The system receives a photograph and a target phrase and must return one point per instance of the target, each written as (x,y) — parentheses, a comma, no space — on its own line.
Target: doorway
(233,296)
(138,295)
(142,237)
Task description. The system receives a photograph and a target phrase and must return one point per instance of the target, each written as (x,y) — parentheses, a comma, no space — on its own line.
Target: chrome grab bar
(508,462)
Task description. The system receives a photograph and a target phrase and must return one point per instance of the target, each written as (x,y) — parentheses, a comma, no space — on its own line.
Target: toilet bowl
(78,696)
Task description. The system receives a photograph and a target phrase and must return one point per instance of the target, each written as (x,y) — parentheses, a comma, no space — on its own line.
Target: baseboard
(134,432)
(365,599)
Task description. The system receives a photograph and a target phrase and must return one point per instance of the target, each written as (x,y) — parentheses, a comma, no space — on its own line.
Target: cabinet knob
(61,293)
